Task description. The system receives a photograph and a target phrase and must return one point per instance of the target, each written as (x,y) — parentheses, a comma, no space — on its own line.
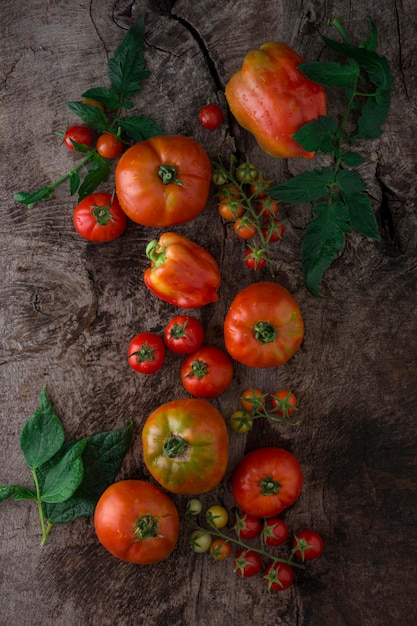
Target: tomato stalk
(45,527)
(146,527)
(265,332)
(175,447)
(168,174)
(269,486)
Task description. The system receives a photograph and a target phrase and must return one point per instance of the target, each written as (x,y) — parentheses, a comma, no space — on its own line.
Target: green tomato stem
(45,529)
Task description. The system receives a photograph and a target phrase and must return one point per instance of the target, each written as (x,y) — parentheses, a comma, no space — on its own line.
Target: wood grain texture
(69,309)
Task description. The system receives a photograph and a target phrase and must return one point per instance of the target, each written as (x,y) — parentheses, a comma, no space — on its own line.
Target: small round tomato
(210,116)
(241,421)
(228,192)
(284,402)
(146,353)
(247,173)
(194,507)
(267,206)
(79,134)
(109,146)
(279,576)
(137,522)
(99,217)
(274,231)
(207,372)
(184,334)
(217,516)
(230,210)
(247,563)
(185,446)
(255,259)
(247,526)
(200,541)
(308,545)
(274,531)
(220,549)
(253,399)
(259,187)
(245,229)
(266,481)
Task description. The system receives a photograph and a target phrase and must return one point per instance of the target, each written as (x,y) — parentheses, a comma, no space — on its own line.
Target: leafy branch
(68,476)
(338,194)
(126,71)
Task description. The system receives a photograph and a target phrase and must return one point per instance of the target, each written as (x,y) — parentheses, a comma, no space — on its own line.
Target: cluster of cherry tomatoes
(206,371)
(307,545)
(277,407)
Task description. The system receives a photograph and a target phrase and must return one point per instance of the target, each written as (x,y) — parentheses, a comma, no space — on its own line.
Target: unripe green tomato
(200,541)
(194,507)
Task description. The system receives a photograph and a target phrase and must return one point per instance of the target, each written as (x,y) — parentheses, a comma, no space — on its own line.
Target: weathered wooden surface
(69,308)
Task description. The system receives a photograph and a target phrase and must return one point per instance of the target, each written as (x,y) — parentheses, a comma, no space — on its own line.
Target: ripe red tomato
(99,217)
(267,206)
(137,522)
(247,563)
(220,549)
(184,334)
(266,481)
(247,526)
(230,209)
(164,180)
(263,326)
(207,373)
(146,353)
(245,229)
(279,576)
(185,446)
(79,134)
(252,399)
(274,231)
(284,402)
(274,531)
(210,116)
(308,545)
(255,259)
(108,146)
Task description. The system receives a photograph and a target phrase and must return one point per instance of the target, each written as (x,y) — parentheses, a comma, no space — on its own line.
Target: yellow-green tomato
(194,507)
(217,516)
(200,541)
(241,421)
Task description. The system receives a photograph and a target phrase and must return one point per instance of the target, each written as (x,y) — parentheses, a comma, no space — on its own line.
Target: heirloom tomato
(263,326)
(98,217)
(308,545)
(207,373)
(185,446)
(146,353)
(164,180)
(137,522)
(266,481)
(184,334)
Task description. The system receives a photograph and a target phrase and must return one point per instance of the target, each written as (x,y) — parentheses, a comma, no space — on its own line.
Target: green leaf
(372,41)
(140,128)
(352,159)
(98,173)
(305,187)
(64,478)
(74,182)
(374,114)
(317,135)
(31,198)
(17,492)
(323,239)
(350,181)
(104,96)
(361,215)
(91,115)
(330,74)
(71,509)
(42,435)
(127,67)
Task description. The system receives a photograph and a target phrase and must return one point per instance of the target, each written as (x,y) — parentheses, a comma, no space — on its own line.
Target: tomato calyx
(168,174)
(176,447)
(144,354)
(178,330)
(198,369)
(269,486)
(265,332)
(102,213)
(146,527)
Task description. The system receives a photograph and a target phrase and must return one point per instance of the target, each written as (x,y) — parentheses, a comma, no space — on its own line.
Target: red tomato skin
(142,194)
(108,146)
(265,302)
(308,538)
(247,526)
(210,116)
(218,376)
(146,341)
(264,464)
(184,334)
(247,563)
(88,225)
(274,532)
(118,510)
(80,134)
(285,574)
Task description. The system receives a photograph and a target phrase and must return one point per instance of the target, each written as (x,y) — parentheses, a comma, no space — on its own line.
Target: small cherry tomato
(79,134)
(253,399)
(207,372)
(230,210)
(241,422)
(274,231)
(247,173)
(259,187)
(200,541)
(194,507)
(267,206)
(210,116)
(255,259)
(220,549)
(247,563)
(247,526)
(274,531)
(99,217)
(279,576)
(217,516)
(308,545)
(146,353)
(228,192)
(219,177)
(184,334)
(109,146)
(284,402)
(245,229)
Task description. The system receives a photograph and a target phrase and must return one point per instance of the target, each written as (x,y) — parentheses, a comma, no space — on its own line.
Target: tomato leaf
(361,214)
(373,115)
(318,135)
(139,127)
(305,187)
(127,69)
(74,182)
(17,493)
(98,173)
(42,435)
(352,158)
(31,198)
(91,115)
(330,74)
(63,478)
(104,96)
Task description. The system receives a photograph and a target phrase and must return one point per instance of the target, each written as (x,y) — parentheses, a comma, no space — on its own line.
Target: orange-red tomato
(108,146)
